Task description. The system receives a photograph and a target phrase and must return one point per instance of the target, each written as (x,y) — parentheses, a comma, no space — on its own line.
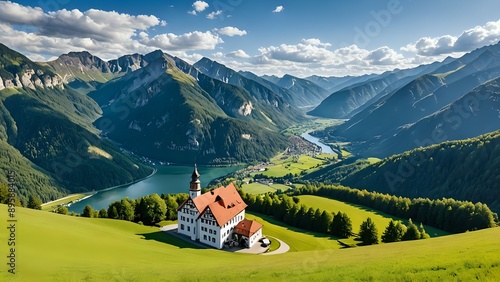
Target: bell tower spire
(194,185)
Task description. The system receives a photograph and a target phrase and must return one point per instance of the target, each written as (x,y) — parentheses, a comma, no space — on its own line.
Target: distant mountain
(356,97)
(285,105)
(164,112)
(84,72)
(305,91)
(333,84)
(463,170)
(230,97)
(46,133)
(379,125)
(473,114)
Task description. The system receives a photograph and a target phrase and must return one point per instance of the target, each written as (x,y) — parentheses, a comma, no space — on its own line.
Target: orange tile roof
(247,227)
(224,203)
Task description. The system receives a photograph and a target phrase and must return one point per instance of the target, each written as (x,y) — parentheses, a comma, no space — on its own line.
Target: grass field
(314,124)
(358,214)
(282,167)
(52,247)
(53,205)
(258,188)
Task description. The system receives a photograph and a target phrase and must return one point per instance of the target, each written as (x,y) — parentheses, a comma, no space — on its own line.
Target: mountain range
(79,115)
(47,137)
(405,109)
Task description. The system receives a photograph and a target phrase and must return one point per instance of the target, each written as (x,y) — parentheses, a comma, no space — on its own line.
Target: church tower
(194,185)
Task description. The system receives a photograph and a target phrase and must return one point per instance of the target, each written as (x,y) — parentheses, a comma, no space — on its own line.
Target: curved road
(281,250)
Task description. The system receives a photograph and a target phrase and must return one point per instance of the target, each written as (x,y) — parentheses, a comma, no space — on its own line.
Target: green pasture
(53,205)
(358,214)
(53,247)
(258,188)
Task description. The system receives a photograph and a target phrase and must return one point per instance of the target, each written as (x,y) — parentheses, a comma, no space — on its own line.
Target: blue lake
(168,179)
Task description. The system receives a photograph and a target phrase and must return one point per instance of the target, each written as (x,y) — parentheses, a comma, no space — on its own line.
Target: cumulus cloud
(231,31)
(304,53)
(447,44)
(238,54)
(278,9)
(97,24)
(214,15)
(315,42)
(196,40)
(311,56)
(104,34)
(199,6)
(384,56)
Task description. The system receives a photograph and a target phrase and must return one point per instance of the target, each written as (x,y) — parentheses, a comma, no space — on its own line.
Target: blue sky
(329,38)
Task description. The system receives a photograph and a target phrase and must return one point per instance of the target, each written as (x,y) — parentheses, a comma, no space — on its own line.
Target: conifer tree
(368,232)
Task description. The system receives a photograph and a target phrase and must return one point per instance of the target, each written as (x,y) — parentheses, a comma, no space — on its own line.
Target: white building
(210,218)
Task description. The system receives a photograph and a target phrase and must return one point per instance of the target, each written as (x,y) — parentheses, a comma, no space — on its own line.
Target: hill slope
(46,133)
(163,112)
(104,249)
(464,170)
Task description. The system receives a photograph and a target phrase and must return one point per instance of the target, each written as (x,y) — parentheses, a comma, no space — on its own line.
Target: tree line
(445,214)
(289,210)
(147,210)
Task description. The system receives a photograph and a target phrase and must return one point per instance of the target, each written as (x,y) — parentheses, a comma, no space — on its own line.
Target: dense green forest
(79,159)
(464,170)
(445,214)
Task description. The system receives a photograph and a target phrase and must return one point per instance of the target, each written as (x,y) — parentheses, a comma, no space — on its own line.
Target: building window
(191,220)
(182,226)
(213,240)
(215,232)
(189,229)
(204,237)
(210,231)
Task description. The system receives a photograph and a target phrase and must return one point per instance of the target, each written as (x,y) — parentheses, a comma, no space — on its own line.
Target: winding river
(325,148)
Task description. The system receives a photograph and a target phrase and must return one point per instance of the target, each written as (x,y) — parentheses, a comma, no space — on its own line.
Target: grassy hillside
(33,179)
(358,214)
(463,170)
(53,247)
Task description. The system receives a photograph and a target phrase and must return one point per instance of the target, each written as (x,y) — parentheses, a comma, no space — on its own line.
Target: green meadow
(358,214)
(258,188)
(52,247)
(54,204)
(280,168)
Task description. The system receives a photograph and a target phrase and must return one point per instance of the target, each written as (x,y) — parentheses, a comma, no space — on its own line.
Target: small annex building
(248,231)
(212,218)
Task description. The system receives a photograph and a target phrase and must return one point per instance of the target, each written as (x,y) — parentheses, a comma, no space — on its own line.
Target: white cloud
(304,53)
(238,54)
(231,31)
(278,9)
(214,15)
(315,42)
(218,55)
(102,33)
(100,25)
(195,40)
(199,6)
(447,44)
(384,56)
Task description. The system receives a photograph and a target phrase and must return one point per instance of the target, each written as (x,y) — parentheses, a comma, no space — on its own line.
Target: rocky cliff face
(32,79)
